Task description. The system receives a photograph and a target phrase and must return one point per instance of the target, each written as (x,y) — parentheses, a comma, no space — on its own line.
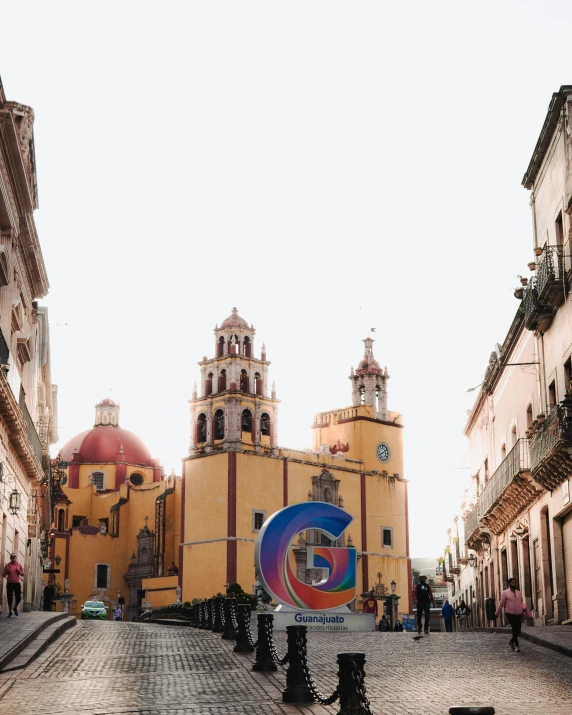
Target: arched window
(220,351)
(257,383)
(243,381)
(265,424)
(246,421)
(233,344)
(247,347)
(219,424)
(362,395)
(209,384)
(201,435)
(328,495)
(222,381)
(61,519)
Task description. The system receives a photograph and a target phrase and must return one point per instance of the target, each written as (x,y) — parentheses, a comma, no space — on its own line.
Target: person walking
(463,612)
(383,624)
(423,596)
(12,572)
(515,609)
(49,593)
(448,613)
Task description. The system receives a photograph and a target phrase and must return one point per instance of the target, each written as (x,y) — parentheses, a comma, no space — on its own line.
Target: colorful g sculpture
(276,566)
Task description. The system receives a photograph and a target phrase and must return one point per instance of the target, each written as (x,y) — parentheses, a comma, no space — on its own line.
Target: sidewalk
(557,638)
(18,632)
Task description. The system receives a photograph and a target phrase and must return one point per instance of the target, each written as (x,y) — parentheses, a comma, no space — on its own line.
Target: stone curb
(563,650)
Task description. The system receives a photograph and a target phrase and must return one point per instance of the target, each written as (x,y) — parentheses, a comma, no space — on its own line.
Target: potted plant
(523,281)
(519,293)
(541,419)
(532,265)
(538,250)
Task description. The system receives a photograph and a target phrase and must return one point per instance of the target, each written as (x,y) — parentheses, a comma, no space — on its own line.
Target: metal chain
(317,694)
(360,689)
(273,651)
(251,640)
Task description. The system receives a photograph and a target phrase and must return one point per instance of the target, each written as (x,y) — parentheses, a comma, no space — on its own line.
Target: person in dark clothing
(448,613)
(49,593)
(463,612)
(383,624)
(423,596)
(398,627)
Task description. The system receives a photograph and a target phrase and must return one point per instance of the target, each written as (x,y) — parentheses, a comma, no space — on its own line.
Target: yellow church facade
(236,475)
(116,525)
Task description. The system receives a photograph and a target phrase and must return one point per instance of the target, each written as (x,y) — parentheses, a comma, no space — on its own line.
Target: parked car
(94,609)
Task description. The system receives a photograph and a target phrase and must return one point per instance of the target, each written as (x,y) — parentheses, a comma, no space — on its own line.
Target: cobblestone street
(145,669)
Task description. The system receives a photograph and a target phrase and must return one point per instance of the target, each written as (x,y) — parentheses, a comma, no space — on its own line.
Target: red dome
(234,321)
(102,444)
(369,365)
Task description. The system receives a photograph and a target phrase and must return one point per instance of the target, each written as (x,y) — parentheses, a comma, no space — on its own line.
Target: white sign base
(331,621)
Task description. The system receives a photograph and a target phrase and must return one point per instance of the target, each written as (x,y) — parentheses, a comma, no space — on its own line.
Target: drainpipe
(543,376)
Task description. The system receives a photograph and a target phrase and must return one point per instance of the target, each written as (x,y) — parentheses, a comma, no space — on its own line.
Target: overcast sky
(326,167)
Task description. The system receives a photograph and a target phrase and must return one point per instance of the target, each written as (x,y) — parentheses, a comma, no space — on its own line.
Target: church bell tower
(234,408)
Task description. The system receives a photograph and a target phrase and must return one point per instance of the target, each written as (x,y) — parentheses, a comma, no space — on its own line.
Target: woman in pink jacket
(514,608)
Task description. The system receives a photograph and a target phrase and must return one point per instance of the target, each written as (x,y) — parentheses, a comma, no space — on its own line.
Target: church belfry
(369,383)
(233,409)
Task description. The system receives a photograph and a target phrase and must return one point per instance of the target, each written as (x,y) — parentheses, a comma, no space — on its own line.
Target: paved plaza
(147,669)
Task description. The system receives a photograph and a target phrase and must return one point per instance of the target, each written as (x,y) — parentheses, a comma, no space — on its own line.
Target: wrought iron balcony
(551,447)
(509,491)
(31,432)
(472,524)
(550,276)
(537,315)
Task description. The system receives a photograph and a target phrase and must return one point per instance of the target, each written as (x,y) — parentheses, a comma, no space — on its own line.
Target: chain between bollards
(244,642)
(264,662)
(230,631)
(218,625)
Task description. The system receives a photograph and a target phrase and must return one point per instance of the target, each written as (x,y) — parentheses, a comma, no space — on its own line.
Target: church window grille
(98,478)
(387,537)
(102,576)
(222,381)
(209,384)
(201,428)
(136,479)
(243,381)
(219,424)
(220,347)
(246,421)
(247,347)
(265,424)
(258,519)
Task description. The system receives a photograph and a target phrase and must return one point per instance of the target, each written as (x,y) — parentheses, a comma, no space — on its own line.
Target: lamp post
(15,502)
(394,604)
(472,561)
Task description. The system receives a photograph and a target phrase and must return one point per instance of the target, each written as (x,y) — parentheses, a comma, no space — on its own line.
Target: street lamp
(393,586)
(58,560)
(472,560)
(15,501)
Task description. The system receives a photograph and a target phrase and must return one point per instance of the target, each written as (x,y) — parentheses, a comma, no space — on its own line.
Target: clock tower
(367,430)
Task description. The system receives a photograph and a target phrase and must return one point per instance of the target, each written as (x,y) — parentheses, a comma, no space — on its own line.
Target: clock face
(383,452)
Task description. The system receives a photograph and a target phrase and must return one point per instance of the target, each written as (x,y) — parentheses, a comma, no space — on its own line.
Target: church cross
(146,520)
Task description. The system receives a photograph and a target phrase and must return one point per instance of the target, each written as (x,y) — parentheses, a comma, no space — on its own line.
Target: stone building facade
(516,515)
(27,395)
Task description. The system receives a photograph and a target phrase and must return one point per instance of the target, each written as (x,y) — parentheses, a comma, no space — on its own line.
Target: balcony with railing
(509,491)
(550,276)
(551,447)
(31,431)
(537,315)
(472,526)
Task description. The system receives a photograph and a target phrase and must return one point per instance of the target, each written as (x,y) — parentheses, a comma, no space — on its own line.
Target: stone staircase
(24,637)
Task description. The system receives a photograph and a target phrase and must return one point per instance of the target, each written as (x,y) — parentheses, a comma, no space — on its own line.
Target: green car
(94,609)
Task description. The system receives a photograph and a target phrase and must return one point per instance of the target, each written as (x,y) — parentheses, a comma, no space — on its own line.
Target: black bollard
(229,633)
(471,710)
(264,662)
(210,614)
(297,688)
(218,624)
(351,674)
(205,615)
(196,615)
(243,644)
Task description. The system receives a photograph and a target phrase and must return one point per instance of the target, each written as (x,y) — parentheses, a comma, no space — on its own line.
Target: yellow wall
(161,591)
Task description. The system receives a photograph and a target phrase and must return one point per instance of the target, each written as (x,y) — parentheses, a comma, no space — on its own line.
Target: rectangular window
(567,374)
(97,478)
(16,543)
(559,230)
(102,574)
(77,521)
(387,536)
(258,518)
(552,395)
(529,417)
(537,565)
